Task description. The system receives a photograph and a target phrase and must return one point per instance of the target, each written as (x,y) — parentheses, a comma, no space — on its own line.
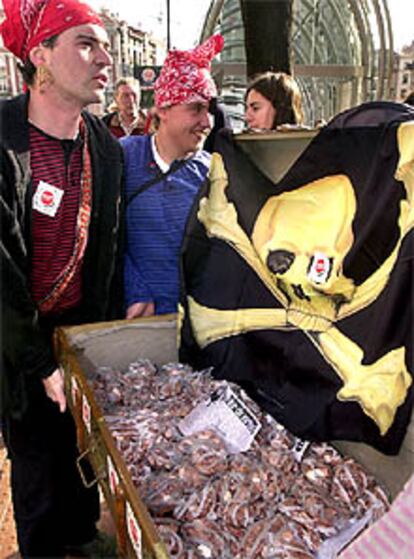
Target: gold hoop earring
(43,77)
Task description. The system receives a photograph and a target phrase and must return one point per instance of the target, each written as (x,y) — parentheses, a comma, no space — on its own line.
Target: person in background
(220,121)
(273,99)
(164,172)
(320,123)
(60,178)
(126,118)
(410,99)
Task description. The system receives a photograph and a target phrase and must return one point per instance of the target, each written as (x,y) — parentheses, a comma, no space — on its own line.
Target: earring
(43,77)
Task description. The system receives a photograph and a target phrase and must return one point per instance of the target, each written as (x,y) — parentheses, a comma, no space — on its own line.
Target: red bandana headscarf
(185,76)
(29,22)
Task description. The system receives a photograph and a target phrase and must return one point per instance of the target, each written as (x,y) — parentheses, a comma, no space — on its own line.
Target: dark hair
(410,99)
(28,69)
(284,94)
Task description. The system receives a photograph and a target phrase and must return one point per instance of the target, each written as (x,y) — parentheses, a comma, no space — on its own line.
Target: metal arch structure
(330,76)
(211,19)
(367,46)
(339,48)
(351,42)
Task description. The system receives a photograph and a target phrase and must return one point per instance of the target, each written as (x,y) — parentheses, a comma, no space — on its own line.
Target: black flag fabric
(302,291)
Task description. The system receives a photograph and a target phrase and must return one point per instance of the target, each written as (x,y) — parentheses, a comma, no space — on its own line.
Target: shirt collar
(157,157)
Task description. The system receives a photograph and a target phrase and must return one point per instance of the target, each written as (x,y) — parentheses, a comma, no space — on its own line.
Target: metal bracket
(97,478)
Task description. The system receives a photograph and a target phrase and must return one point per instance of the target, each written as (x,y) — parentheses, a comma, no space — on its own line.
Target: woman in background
(273,99)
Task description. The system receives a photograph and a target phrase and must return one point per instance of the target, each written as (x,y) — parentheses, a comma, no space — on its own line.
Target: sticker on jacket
(47,199)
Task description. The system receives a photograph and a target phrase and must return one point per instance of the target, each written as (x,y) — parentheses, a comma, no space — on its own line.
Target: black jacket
(26,343)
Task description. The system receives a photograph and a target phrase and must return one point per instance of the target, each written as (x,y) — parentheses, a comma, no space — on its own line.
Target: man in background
(164,173)
(126,117)
(60,211)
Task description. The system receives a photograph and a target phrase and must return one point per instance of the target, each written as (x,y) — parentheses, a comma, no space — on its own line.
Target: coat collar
(14,127)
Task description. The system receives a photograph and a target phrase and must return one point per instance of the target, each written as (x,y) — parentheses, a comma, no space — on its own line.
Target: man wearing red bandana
(169,168)
(60,211)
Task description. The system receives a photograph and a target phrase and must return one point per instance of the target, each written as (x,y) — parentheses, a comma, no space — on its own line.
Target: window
(3,84)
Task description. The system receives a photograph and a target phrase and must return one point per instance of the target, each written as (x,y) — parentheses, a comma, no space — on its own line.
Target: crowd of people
(93,215)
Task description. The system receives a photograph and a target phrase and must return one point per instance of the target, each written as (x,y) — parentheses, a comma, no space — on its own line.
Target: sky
(187,17)
(402,16)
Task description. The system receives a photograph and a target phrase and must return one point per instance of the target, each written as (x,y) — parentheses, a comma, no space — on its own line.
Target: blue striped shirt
(155,221)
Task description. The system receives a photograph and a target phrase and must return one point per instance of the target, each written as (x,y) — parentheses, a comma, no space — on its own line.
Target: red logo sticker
(320,265)
(47,198)
(134,531)
(320,268)
(148,74)
(86,413)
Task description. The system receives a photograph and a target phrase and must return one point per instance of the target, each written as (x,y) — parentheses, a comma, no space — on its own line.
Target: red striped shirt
(58,163)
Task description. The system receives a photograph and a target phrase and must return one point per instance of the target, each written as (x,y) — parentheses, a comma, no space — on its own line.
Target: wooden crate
(116,344)
(81,349)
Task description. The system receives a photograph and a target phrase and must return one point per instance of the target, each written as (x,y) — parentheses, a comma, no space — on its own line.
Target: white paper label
(113,477)
(299,448)
(47,198)
(74,390)
(134,531)
(320,268)
(86,413)
(227,415)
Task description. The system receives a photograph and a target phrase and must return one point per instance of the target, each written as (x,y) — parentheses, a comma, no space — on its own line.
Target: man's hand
(141,309)
(55,388)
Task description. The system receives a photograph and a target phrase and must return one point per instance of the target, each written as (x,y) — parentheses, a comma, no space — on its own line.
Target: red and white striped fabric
(391,537)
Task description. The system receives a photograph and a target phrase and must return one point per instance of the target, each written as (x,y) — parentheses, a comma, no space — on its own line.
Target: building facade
(130,47)
(403,82)
(10,80)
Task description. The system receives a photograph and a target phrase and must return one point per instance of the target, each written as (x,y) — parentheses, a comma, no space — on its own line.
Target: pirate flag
(302,291)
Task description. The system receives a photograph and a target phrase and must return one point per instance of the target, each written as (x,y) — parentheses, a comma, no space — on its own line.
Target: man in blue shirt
(174,165)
